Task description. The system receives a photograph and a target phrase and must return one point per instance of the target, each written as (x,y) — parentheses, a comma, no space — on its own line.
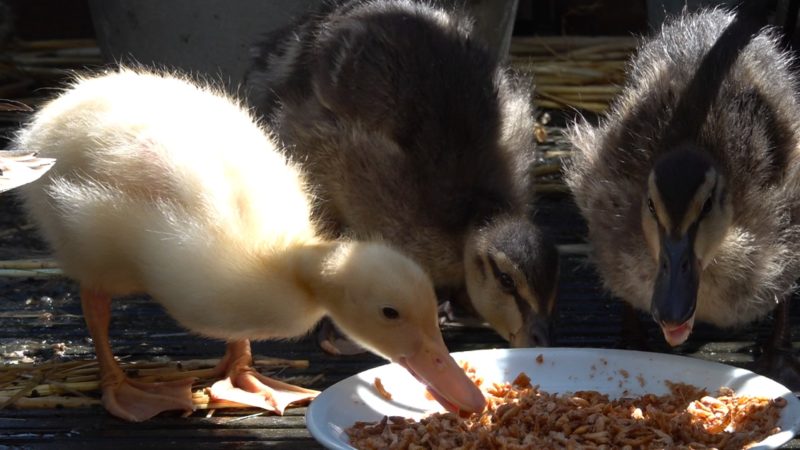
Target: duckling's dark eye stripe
(497,272)
(481,267)
(522,305)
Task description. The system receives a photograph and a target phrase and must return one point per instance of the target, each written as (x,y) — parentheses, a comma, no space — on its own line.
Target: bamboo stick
(43,390)
(565,43)
(578,97)
(557,153)
(52,382)
(546,169)
(574,72)
(80,378)
(55,401)
(28,264)
(564,70)
(24,391)
(31,273)
(554,99)
(608,89)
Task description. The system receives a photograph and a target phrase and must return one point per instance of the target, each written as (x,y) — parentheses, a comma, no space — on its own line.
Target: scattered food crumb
(59,348)
(382,390)
(522,381)
(540,358)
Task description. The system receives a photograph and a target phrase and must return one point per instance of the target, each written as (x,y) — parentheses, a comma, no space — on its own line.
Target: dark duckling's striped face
(685,216)
(511,275)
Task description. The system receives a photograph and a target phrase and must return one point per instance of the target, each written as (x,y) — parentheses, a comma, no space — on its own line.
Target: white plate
(563,370)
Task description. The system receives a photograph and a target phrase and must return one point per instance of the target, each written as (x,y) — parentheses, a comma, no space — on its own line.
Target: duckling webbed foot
(335,342)
(137,401)
(125,398)
(242,384)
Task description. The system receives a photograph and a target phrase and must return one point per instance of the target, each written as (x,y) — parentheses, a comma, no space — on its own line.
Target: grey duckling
(412,131)
(690,184)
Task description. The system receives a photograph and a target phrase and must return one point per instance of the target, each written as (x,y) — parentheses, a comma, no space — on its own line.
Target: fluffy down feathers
(412,131)
(151,196)
(751,132)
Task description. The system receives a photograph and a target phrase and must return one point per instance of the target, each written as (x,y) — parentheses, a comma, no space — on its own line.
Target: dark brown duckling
(412,131)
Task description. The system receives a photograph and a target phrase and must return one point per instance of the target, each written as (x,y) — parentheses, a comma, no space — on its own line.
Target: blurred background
(576,49)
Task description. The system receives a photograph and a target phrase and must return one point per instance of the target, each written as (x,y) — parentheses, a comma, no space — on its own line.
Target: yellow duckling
(167,188)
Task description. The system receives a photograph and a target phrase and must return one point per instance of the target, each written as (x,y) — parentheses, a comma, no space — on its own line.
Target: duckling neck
(298,287)
(318,271)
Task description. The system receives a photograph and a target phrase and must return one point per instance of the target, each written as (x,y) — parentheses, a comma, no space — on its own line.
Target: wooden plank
(37,314)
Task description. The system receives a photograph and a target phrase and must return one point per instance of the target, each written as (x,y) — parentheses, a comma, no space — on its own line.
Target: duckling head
(685,216)
(388,305)
(511,270)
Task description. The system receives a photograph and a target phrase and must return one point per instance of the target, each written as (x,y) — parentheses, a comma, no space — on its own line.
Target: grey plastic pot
(213,37)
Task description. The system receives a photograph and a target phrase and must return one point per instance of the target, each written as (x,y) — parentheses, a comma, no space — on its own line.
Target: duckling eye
(390,313)
(506,282)
(651,207)
(706,207)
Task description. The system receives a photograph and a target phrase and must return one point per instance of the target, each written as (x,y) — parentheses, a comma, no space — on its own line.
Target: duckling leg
(125,398)
(778,360)
(242,384)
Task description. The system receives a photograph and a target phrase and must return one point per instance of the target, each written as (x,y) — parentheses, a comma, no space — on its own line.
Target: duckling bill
(169,188)
(686,197)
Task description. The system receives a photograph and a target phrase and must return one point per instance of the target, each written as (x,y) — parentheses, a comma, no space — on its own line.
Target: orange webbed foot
(137,401)
(242,384)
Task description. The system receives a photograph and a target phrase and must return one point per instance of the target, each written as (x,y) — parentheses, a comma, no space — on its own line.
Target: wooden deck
(38,316)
